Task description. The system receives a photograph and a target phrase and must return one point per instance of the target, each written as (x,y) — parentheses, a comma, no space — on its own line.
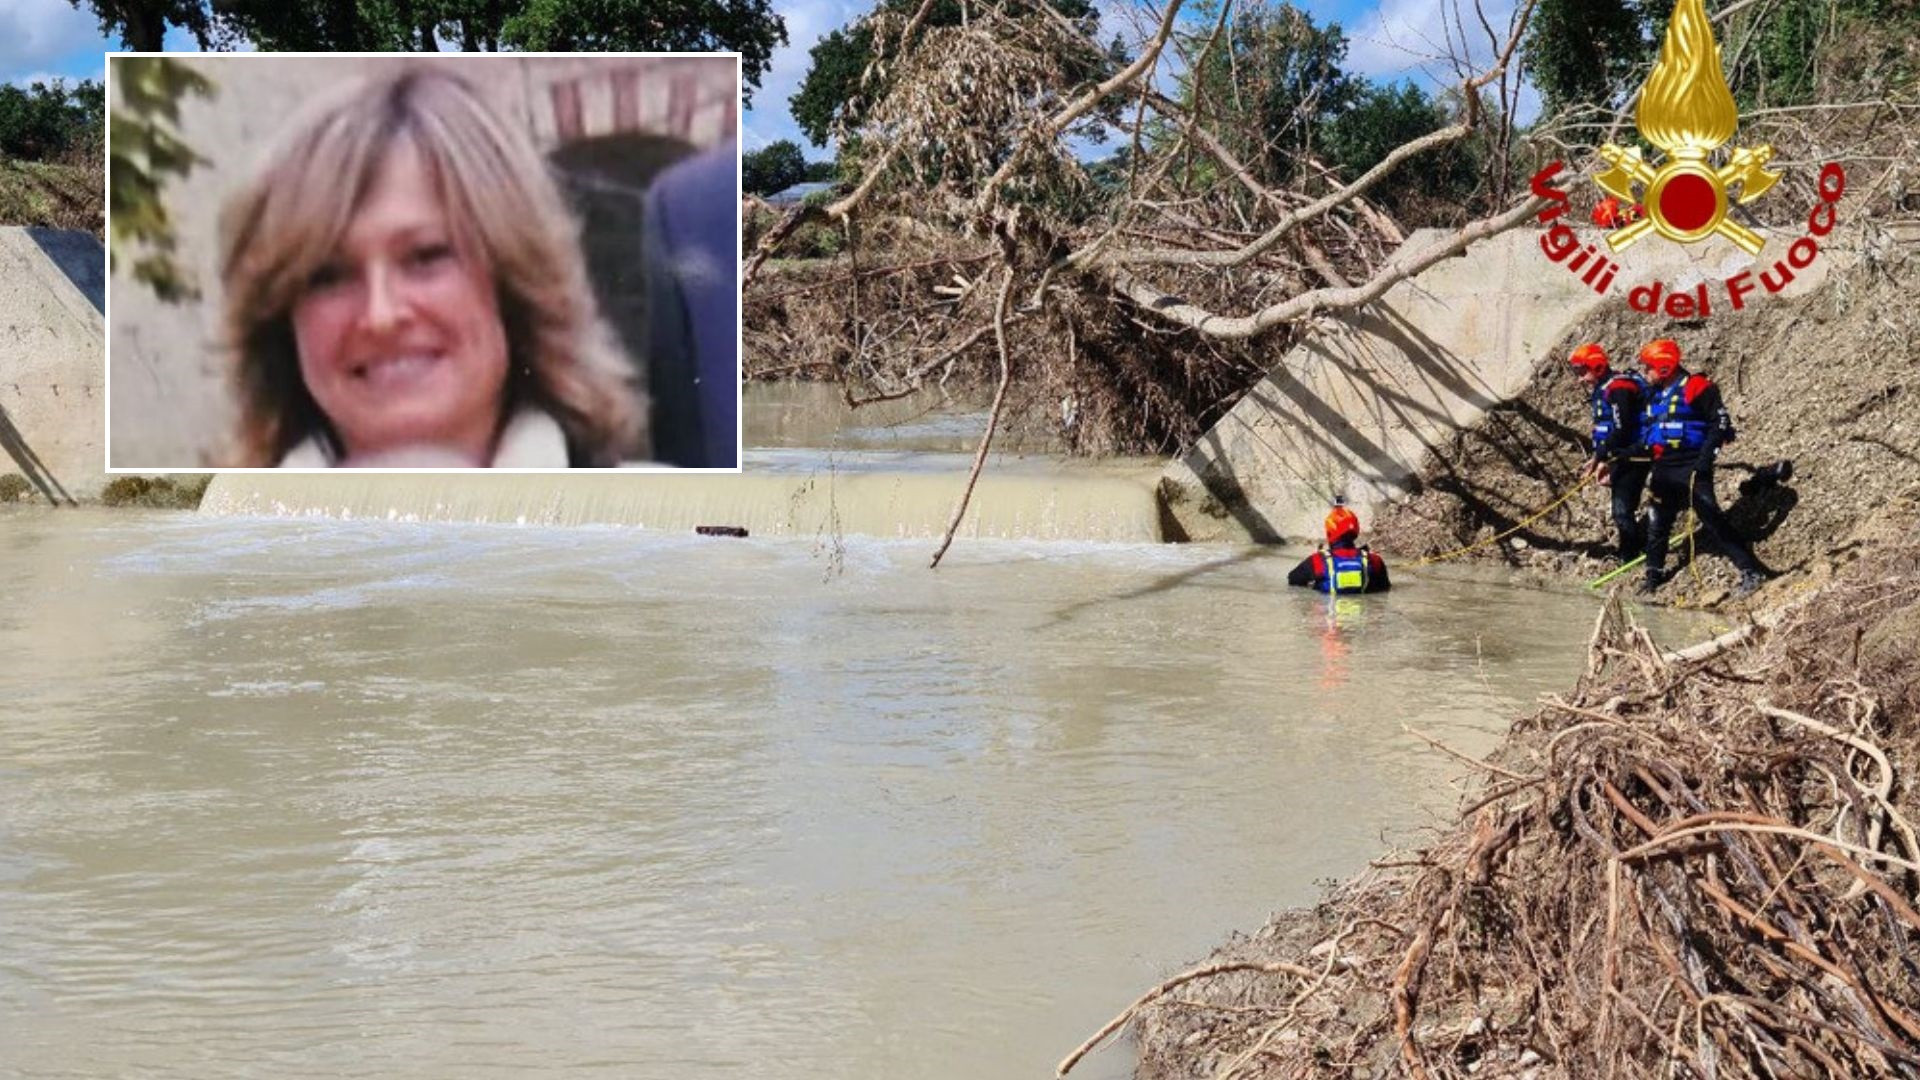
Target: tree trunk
(146,29)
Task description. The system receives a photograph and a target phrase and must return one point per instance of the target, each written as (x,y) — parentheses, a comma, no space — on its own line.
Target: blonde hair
(285,224)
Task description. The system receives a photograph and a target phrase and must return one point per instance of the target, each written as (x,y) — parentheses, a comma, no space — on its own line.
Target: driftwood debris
(1703,863)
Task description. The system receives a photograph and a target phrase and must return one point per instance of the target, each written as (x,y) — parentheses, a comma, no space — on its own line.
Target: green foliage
(831,91)
(1271,86)
(749,27)
(823,171)
(1785,44)
(832,82)
(1109,174)
(142,24)
(147,153)
(1782,51)
(1586,52)
(1384,117)
(775,167)
(816,240)
(45,123)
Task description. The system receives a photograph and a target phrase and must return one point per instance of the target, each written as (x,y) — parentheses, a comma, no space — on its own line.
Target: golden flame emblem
(1686,109)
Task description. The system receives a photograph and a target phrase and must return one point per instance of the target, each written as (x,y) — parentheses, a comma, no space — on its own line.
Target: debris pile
(1699,863)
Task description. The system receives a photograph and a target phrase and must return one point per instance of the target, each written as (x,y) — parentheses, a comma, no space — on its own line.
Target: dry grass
(58,196)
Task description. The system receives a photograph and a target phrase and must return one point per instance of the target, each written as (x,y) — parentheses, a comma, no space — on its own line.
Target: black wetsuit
(1683,469)
(1619,402)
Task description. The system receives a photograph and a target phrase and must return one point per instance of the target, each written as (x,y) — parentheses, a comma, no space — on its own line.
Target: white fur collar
(531,440)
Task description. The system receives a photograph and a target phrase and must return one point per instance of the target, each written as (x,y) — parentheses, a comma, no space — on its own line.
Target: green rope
(1624,567)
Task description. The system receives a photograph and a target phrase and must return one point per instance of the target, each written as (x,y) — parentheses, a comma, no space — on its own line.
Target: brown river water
(315,798)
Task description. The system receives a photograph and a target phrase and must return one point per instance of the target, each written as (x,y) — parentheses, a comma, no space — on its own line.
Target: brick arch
(694,99)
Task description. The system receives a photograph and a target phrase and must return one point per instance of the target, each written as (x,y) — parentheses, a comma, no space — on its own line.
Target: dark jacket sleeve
(1304,573)
(1626,403)
(1377,580)
(1709,404)
(691,245)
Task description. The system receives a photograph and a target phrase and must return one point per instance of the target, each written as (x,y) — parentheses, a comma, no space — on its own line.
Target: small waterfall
(778,494)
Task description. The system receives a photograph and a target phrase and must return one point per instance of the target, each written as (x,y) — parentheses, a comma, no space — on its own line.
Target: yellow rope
(1496,538)
(1693,526)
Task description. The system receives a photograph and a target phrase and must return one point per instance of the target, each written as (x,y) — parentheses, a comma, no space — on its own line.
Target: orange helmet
(1341,523)
(1590,357)
(1662,357)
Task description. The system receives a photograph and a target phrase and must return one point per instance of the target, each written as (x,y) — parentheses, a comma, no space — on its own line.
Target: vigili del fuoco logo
(1686,110)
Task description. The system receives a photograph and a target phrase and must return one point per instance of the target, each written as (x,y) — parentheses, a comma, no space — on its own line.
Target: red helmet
(1341,523)
(1590,357)
(1662,357)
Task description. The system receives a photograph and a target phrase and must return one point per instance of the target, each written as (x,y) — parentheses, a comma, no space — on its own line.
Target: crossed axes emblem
(1746,168)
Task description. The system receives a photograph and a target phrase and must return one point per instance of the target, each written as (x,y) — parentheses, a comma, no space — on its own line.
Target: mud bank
(1828,380)
(1699,860)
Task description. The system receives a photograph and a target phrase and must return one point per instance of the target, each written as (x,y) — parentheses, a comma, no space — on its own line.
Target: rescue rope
(1635,561)
(1497,537)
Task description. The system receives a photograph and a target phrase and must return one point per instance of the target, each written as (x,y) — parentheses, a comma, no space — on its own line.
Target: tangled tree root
(1695,865)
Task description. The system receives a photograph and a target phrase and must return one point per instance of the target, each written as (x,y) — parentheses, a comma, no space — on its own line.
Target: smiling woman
(404,287)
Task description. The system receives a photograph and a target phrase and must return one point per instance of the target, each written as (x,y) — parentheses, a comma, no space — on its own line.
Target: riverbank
(1703,855)
(55,196)
(1827,381)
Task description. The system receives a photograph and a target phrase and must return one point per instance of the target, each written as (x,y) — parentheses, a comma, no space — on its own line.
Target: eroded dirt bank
(1830,381)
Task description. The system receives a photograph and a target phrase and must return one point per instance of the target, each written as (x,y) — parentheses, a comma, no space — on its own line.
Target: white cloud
(807,22)
(36,33)
(31,77)
(1417,38)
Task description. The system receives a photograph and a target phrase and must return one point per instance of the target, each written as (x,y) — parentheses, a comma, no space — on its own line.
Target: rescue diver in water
(1343,566)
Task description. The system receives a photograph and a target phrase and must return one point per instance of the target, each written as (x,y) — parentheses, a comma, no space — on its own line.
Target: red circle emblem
(1688,201)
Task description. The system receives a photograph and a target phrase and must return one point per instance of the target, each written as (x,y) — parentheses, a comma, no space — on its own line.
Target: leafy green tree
(43,123)
(832,81)
(1586,52)
(772,168)
(1272,85)
(749,27)
(831,88)
(823,171)
(1382,118)
(1784,48)
(142,24)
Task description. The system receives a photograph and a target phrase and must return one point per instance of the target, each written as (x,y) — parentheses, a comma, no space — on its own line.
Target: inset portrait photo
(520,262)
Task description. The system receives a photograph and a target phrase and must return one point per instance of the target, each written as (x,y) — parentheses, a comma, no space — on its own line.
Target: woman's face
(399,333)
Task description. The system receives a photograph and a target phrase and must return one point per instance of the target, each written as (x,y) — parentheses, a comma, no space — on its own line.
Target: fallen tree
(1131,308)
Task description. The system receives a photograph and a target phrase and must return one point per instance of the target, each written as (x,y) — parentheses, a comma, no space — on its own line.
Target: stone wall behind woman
(606,122)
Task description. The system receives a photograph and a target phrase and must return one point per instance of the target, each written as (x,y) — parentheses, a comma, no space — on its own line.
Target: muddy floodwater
(318,799)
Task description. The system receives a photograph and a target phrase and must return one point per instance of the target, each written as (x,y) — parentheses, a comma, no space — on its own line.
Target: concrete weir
(52,371)
(1357,407)
(777,494)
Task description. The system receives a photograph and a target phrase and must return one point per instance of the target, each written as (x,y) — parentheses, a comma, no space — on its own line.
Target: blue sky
(1390,39)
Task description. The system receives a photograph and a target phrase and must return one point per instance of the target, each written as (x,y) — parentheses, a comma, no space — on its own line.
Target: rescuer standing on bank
(1685,425)
(1617,400)
(1344,567)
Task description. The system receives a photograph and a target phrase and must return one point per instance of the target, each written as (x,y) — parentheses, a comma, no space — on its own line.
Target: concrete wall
(52,374)
(1357,407)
